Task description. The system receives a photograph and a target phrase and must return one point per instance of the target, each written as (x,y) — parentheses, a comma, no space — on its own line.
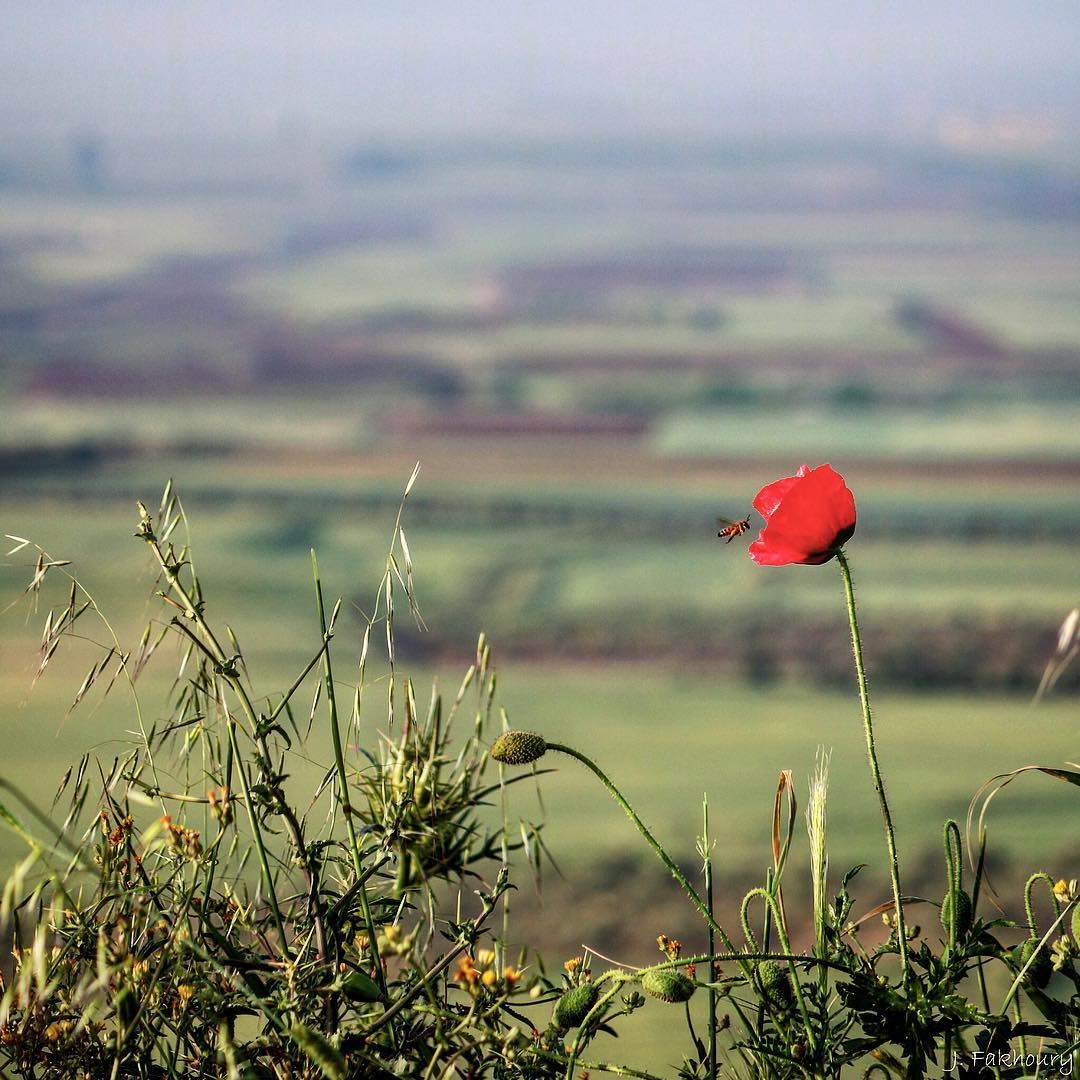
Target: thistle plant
(197,913)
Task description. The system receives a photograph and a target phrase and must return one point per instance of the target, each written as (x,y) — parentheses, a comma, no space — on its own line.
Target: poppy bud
(962,902)
(518,747)
(1042,967)
(775,984)
(574,1005)
(667,985)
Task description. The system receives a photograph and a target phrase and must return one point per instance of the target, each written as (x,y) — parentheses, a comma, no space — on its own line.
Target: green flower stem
(750,955)
(1029,907)
(706,869)
(875,769)
(744,964)
(666,859)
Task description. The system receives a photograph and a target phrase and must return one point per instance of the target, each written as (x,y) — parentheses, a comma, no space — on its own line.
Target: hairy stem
(875,769)
(664,857)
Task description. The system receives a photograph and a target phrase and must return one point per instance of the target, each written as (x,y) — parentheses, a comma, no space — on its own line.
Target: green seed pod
(962,903)
(775,984)
(574,1005)
(1076,924)
(359,986)
(668,985)
(1042,967)
(518,747)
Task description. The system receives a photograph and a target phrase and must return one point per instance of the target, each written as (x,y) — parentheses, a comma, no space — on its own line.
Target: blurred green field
(84,241)
(646,723)
(974,431)
(1011,275)
(519,582)
(982,432)
(658,590)
(666,737)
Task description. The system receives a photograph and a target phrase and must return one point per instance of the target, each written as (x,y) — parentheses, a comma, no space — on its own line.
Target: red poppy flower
(808,518)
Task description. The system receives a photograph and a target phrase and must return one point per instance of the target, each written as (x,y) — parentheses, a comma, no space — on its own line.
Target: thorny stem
(676,873)
(596,1011)
(875,770)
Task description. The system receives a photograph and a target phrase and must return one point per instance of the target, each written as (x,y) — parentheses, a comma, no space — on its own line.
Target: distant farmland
(592,359)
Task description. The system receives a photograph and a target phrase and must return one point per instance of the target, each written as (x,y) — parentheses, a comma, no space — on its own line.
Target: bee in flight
(731,529)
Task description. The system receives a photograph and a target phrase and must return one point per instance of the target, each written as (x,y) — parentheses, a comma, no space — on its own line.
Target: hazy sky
(425,67)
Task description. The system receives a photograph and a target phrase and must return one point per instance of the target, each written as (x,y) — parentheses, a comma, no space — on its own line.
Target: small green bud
(574,1005)
(359,986)
(1042,967)
(775,984)
(668,985)
(518,747)
(962,902)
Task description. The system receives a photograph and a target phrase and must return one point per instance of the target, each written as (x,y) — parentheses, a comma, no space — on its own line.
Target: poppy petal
(816,511)
(768,498)
(809,516)
(766,553)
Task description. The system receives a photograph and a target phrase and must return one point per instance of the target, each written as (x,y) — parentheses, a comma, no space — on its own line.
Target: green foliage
(199,913)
